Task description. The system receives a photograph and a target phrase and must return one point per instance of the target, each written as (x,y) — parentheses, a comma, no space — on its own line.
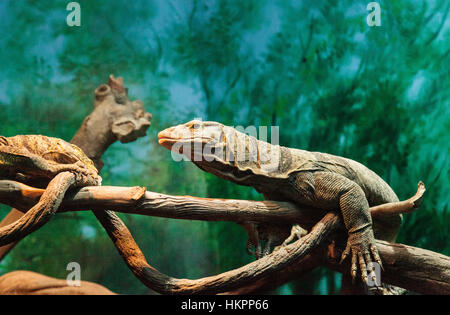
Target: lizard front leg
(31,165)
(331,191)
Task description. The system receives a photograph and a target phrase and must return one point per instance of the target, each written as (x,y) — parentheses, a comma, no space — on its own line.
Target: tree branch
(136,200)
(404,264)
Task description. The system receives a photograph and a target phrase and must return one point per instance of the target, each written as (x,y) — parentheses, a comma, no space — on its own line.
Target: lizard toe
(376,256)
(345,253)
(354,268)
(369,264)
(362,266)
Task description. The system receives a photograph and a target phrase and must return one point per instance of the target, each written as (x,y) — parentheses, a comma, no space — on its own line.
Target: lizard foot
(297,232)
(259,249)
(361,246)
(254,249)
(264,238)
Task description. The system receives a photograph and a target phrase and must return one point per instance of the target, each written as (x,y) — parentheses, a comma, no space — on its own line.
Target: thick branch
(412,268)
(281,264)
(226,281)
(31,283)
(409,267)
(136,200)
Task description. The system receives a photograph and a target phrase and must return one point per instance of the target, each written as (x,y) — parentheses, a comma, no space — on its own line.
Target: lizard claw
(361,247)
(345,253)
(375,255)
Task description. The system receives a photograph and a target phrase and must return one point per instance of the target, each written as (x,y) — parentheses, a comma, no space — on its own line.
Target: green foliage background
(379,95)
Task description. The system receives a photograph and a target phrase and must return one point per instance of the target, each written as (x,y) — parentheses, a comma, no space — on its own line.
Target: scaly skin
(47,162)
(320,180)
(35,157)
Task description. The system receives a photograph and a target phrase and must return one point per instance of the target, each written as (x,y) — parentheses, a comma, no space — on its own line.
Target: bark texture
(22,282)
(404,265)
(114,118)
(41,213)
(117,118)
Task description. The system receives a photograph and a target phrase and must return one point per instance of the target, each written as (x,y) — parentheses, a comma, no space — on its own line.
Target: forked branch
(285,262)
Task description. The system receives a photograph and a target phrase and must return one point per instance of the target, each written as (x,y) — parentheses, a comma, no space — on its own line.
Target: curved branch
(282,264)
(41,213)
(412,268)
(162,283)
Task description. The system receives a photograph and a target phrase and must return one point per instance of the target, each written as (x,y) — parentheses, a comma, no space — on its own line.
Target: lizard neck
(250,162)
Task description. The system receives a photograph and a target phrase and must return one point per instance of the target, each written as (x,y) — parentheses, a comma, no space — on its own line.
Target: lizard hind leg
(263,238)
(40,213)
(297,232)
(272,236)
(253,246)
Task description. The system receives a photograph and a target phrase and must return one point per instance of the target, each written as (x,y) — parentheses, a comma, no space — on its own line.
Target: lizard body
(45,162)
(320,180)
(39,158)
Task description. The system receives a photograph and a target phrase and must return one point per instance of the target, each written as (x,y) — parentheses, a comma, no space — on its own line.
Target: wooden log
(402,269)
(23,282)
(136,200)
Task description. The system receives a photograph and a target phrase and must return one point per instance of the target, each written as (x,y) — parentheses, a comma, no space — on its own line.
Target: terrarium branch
(404,265)
(136,200)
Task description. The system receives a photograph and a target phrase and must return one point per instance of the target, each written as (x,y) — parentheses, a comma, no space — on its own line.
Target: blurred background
(378,95)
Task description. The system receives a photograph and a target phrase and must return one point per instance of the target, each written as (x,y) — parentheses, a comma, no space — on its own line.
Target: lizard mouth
(168,141)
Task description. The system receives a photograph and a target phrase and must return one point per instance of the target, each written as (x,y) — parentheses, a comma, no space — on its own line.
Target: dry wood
(281,265)
(40,213)
(114,118)
(223,282)
(32,283)
(137,200)
(412,268)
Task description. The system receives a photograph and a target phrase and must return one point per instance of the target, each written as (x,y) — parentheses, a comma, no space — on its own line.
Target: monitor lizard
(314,179)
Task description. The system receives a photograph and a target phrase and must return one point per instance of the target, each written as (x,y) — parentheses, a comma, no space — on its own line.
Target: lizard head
(221,150)
(198,140)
